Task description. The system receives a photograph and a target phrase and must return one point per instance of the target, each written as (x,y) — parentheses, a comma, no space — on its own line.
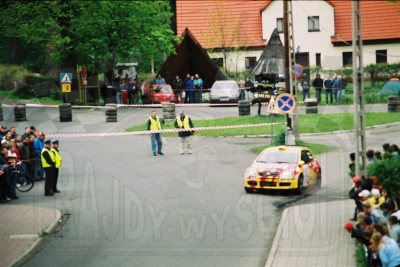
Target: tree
(224,33)
(95,33)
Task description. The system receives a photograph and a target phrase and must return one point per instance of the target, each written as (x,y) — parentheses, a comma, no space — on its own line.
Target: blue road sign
(65,77)
(286,102)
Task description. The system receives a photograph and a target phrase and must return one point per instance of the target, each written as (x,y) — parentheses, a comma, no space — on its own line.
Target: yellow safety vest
(154,123)
(185,122)
(44,162)
(57,157)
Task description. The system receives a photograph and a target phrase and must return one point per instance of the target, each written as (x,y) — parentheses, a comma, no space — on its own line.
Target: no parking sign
(286,103)
(298,69)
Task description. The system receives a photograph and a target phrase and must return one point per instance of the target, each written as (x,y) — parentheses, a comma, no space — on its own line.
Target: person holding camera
(184,123)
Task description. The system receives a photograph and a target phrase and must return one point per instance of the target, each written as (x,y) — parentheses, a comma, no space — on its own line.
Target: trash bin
(20,112)
(393,103)
(65,112)
(244,107)
(168,111)
(311,105)
(111,113)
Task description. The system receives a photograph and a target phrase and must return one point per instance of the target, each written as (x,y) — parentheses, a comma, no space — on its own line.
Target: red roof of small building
(215,24)
(380,20)
(234,23)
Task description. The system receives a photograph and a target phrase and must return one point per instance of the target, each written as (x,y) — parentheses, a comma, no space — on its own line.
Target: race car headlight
(286,175)
(251,174)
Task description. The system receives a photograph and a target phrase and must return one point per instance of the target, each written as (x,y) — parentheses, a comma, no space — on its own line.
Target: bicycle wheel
(25,182)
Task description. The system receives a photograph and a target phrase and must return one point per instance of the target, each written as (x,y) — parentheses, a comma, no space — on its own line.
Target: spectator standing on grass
(341,87)
(178,86)
(305,85)
(185,84)
(145,89)
(198,86)
(190,90)
(159,80)
(328,84)
(318,83)
(133,90)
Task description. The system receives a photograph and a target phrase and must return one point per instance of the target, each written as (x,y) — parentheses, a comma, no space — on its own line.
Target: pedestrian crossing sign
(66,88)
(65,77)
(272,106)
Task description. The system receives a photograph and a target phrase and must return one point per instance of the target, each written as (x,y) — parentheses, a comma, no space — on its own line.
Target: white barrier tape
(126,106)
(79,135)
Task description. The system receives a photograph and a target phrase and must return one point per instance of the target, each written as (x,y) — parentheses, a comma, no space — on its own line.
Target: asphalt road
(128,208)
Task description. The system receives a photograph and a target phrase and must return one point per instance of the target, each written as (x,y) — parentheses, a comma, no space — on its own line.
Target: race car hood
(272,168)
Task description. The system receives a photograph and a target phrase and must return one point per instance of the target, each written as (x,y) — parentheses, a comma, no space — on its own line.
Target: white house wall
(311,42)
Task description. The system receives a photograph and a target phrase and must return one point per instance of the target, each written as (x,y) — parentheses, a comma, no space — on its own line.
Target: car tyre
(249,190)
(319,179)
(300,186)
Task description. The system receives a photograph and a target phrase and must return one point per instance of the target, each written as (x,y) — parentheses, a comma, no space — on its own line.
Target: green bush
(279,139)
(388,173)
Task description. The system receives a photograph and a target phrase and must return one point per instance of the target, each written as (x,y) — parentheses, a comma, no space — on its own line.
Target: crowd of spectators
(24,148)
(376,217)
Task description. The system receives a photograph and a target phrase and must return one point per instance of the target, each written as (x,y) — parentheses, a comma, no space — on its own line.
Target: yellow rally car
(283,167)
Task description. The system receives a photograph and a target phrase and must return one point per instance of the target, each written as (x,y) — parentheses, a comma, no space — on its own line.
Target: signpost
(66,81)
(272,109)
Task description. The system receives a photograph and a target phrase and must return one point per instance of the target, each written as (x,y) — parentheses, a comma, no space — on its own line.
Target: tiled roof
(380,20)
(222,23)
(233,23)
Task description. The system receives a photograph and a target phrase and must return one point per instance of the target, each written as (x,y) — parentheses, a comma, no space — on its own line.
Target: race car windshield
(276,157)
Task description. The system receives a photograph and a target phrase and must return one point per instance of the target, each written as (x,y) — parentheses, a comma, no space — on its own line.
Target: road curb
(23,257)
(274,247)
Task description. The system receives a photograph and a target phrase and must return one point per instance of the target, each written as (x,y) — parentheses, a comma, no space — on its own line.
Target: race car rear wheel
(248,190)
(300,186)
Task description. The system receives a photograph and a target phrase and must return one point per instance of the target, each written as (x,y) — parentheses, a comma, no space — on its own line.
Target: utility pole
(292,133)
(358,90)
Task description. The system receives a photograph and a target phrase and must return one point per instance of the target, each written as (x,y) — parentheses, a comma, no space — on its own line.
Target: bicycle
(25,181)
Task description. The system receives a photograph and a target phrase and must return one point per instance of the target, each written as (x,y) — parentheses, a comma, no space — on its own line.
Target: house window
(347,59)
(313,24)
(250,62)
(219,61)
(381,56)
(318,59)
(279,25)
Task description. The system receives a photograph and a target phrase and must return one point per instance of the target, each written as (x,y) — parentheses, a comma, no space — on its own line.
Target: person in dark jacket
(328,84)
(178,85)
(318,83)
(185,123)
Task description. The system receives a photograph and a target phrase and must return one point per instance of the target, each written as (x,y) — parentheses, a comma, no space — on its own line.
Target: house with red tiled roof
(236,31)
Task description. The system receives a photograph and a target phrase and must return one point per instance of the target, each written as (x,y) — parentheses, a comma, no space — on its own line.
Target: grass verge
(309,123)
(316,148)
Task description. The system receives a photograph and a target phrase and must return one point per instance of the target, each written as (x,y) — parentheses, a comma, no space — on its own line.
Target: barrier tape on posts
(80,135)
(127,106)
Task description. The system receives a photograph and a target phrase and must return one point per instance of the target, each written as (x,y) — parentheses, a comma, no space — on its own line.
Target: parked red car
(162,93)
